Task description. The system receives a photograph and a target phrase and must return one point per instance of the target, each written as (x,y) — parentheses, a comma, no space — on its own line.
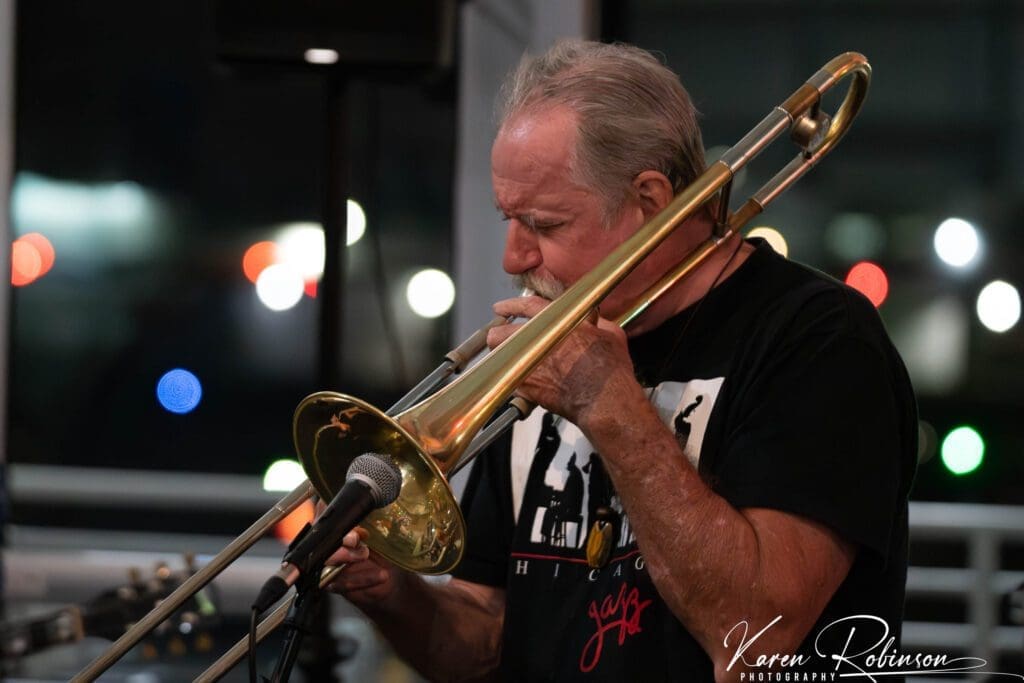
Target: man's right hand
(367,580)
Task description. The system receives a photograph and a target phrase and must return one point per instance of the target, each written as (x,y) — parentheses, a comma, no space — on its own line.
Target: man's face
(556,227)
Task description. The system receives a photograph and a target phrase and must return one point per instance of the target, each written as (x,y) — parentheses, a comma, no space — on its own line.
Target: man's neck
(718,267)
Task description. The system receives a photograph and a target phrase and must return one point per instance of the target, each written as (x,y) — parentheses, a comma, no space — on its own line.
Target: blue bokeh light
(179,391)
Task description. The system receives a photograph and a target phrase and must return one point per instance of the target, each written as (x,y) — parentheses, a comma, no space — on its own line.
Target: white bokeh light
(279,287)
(999,306)
(355,219)
(430,293)
(320,55)
(773,237)
(283,475)
(956,242)
(301,246)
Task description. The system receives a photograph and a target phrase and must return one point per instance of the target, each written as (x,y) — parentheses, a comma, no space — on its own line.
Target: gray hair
(633,113)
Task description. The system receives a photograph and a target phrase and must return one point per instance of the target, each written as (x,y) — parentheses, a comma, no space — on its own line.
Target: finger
(521,306)
(614,330)
(345,555)
(351,539)
(496,335)
(349,581)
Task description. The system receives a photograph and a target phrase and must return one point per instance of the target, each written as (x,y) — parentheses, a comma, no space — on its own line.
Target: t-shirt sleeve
(822,434)
(487,507)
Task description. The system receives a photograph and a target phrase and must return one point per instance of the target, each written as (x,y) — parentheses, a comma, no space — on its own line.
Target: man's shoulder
(806,301)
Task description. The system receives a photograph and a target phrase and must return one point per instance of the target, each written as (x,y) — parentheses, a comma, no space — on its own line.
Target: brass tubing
(446,422)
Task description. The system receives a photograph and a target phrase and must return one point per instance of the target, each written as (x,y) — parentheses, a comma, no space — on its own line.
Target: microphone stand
(299,622)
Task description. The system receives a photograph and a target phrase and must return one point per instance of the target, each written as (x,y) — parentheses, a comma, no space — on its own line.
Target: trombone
(431,438)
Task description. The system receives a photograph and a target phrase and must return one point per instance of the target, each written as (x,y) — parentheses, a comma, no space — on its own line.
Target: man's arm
(447,631)
(714,565)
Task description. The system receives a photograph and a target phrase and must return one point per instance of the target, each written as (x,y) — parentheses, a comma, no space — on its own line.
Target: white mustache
(547,287)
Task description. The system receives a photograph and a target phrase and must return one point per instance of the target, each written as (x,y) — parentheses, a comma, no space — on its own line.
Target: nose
(522,253)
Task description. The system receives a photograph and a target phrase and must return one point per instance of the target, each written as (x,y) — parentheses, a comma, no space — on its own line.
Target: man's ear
(654,191)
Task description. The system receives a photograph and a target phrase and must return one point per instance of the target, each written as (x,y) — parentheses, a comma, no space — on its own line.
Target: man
(756,429)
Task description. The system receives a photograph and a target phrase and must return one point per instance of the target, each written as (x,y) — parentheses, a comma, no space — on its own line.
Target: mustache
(547,287)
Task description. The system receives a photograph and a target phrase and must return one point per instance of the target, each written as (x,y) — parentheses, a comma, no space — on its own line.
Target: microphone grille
(383,476)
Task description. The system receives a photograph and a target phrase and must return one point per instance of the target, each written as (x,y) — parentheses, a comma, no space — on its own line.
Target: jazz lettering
(622,612)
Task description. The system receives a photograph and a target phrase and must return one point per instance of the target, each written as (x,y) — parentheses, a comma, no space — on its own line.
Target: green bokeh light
(963,449)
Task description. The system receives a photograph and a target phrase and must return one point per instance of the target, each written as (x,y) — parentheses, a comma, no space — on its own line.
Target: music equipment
(112,612)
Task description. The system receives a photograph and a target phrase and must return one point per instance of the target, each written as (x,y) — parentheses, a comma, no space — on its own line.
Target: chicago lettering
(522,567)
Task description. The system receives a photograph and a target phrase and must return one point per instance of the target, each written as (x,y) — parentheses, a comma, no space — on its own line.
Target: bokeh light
(283,475)
(855,236)
(257,258)
(179,391)
(963,450)
(26,263)
(288,528)
(355,222)
(320,55)
(773,237)
(44,248)
(870,280)
(998,306)
(279,287)
(301,246)
(430,293)
(956,242)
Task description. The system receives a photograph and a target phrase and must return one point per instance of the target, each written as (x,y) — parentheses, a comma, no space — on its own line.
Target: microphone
(372,482)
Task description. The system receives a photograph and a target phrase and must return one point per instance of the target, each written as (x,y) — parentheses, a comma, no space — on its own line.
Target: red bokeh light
(45,249)
(289,527)
(26,263)
(870,280)
(257,257)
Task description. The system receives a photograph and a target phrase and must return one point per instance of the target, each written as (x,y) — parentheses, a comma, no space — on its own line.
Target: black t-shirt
(785,392)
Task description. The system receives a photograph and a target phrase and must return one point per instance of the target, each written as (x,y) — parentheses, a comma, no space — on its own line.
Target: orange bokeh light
(45,249)
(289,527)
(870,280)
(26,263)
(257,257)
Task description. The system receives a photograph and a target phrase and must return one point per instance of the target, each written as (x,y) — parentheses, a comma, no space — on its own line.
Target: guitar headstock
(113,611)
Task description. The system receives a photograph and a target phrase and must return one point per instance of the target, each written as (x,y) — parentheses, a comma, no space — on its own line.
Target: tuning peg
(176,646)
(190,562)
(127,593)
(203,642)
(162,571)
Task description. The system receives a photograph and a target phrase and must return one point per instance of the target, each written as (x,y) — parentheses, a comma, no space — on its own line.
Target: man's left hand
(587,372)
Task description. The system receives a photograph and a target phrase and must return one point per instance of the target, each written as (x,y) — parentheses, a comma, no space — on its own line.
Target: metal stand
(300,620)
(335,212)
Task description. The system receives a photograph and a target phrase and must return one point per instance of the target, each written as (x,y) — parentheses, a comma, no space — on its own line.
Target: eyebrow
(529,219)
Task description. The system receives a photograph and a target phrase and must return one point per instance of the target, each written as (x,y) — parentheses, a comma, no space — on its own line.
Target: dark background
(135,94)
